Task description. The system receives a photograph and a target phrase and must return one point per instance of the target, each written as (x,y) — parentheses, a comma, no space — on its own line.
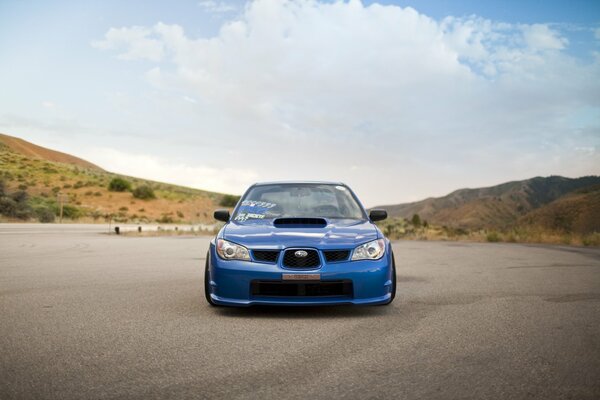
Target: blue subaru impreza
(299,243)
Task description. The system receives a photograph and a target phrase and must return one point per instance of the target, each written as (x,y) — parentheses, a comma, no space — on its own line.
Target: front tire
(207,282)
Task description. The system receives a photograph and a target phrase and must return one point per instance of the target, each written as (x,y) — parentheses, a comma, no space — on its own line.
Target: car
(299,243)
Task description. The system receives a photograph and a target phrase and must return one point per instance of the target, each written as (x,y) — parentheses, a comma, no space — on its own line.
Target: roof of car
(298,182)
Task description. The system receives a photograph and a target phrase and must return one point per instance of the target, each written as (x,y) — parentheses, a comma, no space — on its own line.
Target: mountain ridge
(494,207)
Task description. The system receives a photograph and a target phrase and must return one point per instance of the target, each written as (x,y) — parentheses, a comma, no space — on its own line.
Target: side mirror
(222,215)
(377,215)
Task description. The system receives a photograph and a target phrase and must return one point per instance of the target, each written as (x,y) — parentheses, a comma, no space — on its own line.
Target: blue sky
(400,99)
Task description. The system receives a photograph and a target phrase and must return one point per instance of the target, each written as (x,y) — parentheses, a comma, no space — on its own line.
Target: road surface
(88,315)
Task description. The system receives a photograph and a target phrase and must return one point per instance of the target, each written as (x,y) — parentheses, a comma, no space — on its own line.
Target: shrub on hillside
(119,185)
(8,206)
(229,200)
(72,212)
(165,219)
(45,214)
(492,237)
(15,205)
(144,192)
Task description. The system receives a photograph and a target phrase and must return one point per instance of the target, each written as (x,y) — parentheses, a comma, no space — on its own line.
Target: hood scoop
(300,222)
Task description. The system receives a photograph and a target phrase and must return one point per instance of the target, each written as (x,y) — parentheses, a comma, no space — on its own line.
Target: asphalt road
(88,315)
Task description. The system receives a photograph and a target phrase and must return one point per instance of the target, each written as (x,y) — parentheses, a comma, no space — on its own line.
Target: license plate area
(301,277)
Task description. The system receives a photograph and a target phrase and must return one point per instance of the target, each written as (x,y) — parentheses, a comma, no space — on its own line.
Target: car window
(298,200)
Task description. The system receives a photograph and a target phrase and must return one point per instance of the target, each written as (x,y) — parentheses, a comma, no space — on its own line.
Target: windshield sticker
(261,204)
(340,188)
(253,210)
(244,216)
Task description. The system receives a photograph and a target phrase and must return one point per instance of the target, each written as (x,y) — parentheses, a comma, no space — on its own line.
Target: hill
(503,206)
(33,179)
(578,211)
(33,151)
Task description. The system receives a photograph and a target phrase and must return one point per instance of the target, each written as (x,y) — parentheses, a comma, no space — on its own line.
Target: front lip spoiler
(306,301)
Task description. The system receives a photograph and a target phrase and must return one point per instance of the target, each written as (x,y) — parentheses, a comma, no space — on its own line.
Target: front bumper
(231,282)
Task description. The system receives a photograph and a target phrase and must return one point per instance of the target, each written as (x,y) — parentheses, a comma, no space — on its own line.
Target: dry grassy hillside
(540,210)
(496,207)
(32,178)
(575,212)
(33,151)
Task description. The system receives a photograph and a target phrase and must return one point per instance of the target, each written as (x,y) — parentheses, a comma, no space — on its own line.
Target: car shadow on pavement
(304,312)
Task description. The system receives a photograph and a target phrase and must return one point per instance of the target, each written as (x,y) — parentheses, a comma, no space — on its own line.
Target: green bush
(144,192)
(492,237)
(45,214)
(72,212)
(20,196)
(8,206)
(593,239)
(165,219)
(96,215)
(119,185)
(229,200)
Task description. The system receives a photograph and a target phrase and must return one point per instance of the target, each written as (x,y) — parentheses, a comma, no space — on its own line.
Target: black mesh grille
(269,256)
(336,255)
(302,289)
(292,260)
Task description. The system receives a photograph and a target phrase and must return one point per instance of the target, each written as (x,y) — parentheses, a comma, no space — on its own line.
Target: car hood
(339,233)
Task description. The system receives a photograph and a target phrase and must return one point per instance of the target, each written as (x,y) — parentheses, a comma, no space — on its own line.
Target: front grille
(336,255)
(268,256)
(291,260)
(341,288)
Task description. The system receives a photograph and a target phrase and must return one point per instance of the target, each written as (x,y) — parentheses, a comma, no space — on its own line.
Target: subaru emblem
(300,254)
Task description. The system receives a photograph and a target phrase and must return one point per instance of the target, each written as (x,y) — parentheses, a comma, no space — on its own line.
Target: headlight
(369,251)
(231,251)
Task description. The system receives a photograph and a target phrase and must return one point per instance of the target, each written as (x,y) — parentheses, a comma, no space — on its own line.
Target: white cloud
(303,89)
(597,33)
(48,104)
(541,37)
(217,7)
(137,41)
(163,170)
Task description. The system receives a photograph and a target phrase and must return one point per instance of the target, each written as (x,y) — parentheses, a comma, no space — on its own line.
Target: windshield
(298,200)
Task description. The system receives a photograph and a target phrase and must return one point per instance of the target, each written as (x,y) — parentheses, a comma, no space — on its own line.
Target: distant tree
(416,220)
(425,223)
(144,192)
(229,200)
(2,188)
(119,185)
